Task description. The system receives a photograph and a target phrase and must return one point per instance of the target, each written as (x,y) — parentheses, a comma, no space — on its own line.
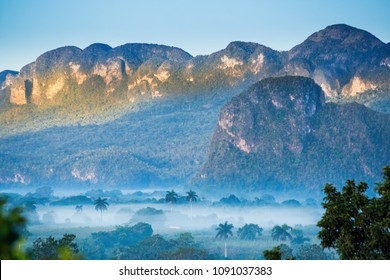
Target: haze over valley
(143,151)
(143,116)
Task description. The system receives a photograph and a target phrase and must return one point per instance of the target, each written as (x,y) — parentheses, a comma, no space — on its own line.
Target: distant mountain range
(144,115)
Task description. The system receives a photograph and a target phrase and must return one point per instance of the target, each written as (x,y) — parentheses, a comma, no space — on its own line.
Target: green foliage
(149,211)
(185,239)
(311,252)
(249,232)
(298,238)
(101,205)
(171,197)
(273,254)
(53,249)
(281,252)
(287,252)
(306,252)
(187,253)
(118,153)
(230,200)
(104,244)
(291,203)
(224,230)
(281,233)
(156,247)
(12,224)
(357,226)
(192,196)
(73,200)
(123,235)
(149,215)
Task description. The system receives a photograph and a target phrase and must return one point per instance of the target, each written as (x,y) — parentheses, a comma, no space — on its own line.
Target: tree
(79,208)
(281,233)
(12,224)
(191,197)
(249,232)
(312,252)
(53,249)
(281,252)
(171,197)
(101,205)
(273,254)
(357,226)
(224,230)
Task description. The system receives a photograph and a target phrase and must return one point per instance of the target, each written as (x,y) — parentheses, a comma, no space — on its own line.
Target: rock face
(281,135)
(339,58)
(60,72)
(143,115)
(343,60)
(6,79)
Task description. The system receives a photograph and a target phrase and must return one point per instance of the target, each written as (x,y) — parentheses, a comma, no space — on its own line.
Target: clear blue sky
(28,28)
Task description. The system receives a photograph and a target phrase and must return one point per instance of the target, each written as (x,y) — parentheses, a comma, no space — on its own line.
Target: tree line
(355,225)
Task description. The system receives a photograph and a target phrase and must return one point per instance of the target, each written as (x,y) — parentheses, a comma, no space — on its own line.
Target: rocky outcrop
(343,60)
(335,55)
(61,71)
(6,80)
(281,135)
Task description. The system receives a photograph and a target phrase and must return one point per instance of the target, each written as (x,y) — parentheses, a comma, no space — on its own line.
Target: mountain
(343,60)
(141,115)
(70,86)
(280,135)
(6,77)
(6,74)
(157,145)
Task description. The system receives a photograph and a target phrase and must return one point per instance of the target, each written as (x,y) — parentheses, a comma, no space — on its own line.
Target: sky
(29,28)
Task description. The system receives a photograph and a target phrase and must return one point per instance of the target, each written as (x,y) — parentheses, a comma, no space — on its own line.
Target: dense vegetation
(353,226)
(357,226)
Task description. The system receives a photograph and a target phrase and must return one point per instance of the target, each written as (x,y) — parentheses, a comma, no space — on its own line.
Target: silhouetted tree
(191,197)
(224,230)
(101,205)
(171,197)
(249,232)
(281,233)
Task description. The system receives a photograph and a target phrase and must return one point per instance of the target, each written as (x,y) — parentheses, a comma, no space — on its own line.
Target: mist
(180,217)
(112,232)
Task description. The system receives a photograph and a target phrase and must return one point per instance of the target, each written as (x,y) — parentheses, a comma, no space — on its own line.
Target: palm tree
(224,230)
(171,197)
(79,208)
(249,232)
(191,197)
(281,233)
(101,205)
